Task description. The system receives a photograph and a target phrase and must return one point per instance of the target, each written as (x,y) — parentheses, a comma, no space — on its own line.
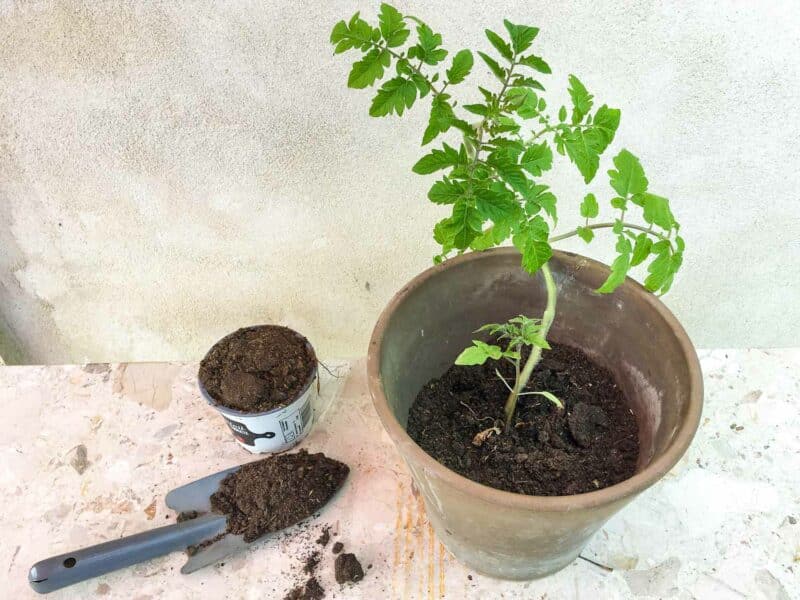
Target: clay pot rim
(630,487)
(238,413)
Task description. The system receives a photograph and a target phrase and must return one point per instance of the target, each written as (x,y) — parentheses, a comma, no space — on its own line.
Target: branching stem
(574,232)
(536,352)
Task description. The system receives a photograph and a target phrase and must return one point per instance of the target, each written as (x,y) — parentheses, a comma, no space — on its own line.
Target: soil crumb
(337,547)
(192,550)
(592,444)
(276,492)
(256,369)
(310,590)
(311,563)
(323,539)
(186,515)
(348,569)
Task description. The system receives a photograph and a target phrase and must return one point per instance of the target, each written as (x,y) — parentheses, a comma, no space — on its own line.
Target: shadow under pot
(261,380)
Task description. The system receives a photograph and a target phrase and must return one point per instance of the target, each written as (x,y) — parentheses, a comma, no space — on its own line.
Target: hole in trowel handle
(70,562)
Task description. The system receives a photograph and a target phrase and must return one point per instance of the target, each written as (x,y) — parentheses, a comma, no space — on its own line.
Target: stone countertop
(724,523)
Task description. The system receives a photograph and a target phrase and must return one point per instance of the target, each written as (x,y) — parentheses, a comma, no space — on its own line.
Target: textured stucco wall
(172,170)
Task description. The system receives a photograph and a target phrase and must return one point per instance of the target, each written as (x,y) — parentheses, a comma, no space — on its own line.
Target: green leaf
(628,179)
(477,109)
(464,225)
(520,81)
(495,204)
(531,241)
(537,158)
(586,234)
(619,203)
(581,99)
(619,269)
(514,177)
(394,96)
(562,114)
(437,159)
(534,254)
(494,235)
(355,34)
(535,62)
(552,397)
(499,44)
(538,197)
(605,122)
(498,71)
(581,146)
(393,28)
(422,84)
(369,69)
(427,48)
(445,192)
(522,36)
(479,353)
(461,67)
(656,211)
(524,100)
(548,202)
(441,118)
(660,269)
(641,249)
(589,207)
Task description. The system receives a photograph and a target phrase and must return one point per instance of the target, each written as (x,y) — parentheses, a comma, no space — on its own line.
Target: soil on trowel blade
(256,369)
(590,445)
(277,492)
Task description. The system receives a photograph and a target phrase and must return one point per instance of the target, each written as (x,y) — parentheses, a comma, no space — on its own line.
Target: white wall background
(170,171)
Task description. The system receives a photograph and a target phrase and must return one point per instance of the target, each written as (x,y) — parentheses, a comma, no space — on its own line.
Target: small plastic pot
(275,430)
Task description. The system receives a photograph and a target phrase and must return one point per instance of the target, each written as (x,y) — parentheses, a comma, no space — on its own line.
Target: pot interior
(434,320)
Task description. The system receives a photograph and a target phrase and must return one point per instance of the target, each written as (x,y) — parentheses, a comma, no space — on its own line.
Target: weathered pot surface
(630,332)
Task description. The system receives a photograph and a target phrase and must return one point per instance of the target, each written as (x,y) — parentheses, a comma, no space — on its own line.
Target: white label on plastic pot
(273,431)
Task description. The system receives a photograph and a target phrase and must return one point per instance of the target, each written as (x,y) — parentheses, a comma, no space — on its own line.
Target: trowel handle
(63,570)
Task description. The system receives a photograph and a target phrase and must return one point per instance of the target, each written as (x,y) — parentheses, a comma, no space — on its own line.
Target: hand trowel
(59,571)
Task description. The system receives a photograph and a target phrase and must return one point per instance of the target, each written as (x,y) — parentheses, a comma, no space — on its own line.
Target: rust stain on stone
(150,511)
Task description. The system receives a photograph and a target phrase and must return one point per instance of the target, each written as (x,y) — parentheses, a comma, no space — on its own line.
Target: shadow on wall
(11,352)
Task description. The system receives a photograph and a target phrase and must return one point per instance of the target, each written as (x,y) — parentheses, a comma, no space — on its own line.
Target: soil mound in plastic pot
(257,369)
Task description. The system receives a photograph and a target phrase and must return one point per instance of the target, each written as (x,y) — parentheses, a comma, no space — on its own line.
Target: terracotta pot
(426,325)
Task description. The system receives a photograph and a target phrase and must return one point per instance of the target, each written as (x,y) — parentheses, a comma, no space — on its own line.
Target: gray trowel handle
(60,571)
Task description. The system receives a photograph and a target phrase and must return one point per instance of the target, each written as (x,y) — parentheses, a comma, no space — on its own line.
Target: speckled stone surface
(725,523)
